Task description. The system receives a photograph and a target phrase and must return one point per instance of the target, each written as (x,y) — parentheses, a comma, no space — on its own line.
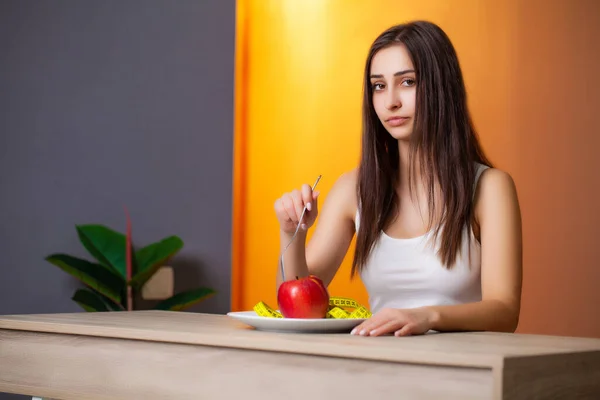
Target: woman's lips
(396,121)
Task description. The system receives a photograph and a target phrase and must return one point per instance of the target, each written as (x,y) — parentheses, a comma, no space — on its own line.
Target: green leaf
(96,276)
(152,257)
(93,302)
(89,301)
(185,299)
(105,245)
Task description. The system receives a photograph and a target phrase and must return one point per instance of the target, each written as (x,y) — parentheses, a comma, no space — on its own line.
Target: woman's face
(393,82)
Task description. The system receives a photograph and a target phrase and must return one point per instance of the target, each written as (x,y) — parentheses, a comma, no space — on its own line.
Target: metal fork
(294,235)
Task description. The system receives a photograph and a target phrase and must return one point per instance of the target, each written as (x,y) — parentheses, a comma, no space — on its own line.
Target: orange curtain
(299,68)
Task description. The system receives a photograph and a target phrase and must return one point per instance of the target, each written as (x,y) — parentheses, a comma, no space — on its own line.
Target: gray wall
(109,103)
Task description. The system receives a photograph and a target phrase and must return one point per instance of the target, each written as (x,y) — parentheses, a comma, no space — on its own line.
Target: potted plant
(118,270)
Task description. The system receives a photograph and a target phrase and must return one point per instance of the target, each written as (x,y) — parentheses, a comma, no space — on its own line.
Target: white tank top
(406,273)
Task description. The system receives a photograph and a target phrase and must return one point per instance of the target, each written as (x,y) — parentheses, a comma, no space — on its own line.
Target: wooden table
(176,355)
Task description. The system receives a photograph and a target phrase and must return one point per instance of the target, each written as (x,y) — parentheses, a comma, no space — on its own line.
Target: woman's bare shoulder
(496,192)
(494,179)
(343,193)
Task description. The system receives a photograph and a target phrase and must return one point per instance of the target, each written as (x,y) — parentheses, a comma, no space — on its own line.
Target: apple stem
(296,277)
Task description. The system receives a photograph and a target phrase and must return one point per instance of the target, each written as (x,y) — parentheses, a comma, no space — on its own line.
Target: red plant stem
(128,259)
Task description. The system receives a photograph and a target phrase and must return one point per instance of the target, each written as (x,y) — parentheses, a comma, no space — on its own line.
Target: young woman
(438,243)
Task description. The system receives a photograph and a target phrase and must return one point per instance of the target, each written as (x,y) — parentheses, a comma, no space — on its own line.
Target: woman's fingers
(406,330)
(298,204)
(288,204)
(307,196)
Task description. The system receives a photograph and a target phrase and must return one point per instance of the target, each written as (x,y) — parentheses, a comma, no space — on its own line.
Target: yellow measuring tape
(339,308)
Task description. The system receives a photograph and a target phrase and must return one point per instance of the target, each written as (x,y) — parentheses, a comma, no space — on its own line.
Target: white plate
(318,325)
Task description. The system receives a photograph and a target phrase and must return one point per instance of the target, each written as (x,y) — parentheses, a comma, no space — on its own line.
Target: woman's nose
(393,100)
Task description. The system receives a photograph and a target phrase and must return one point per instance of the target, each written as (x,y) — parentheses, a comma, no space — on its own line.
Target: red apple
(303,298)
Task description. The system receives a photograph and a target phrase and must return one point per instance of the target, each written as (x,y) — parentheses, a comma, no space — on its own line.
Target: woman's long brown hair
(444,142)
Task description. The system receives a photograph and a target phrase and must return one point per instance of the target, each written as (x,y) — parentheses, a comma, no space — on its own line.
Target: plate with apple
(304,304)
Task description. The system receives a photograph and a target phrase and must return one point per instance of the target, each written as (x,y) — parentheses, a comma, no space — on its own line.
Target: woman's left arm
(499,218)
(498,215)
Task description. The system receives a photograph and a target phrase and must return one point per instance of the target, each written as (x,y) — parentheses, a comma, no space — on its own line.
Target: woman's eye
(408,82)
(377,86)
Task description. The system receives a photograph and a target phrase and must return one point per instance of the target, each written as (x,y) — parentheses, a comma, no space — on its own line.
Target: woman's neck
(418,189)
(419,192)
(403,152)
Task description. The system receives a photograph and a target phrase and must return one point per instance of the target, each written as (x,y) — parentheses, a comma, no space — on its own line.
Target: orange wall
(555,96)
(529,78)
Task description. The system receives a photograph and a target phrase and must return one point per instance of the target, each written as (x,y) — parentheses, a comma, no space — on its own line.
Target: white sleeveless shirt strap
(478,172)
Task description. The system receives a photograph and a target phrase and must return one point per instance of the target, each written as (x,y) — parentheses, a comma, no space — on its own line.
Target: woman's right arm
(334,232)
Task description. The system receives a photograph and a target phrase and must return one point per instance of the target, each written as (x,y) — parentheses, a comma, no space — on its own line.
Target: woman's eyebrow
(406,71)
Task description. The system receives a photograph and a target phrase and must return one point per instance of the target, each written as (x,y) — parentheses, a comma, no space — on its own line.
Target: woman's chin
(400,133)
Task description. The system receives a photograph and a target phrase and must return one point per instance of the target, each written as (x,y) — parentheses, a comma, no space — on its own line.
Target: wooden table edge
(422,357)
